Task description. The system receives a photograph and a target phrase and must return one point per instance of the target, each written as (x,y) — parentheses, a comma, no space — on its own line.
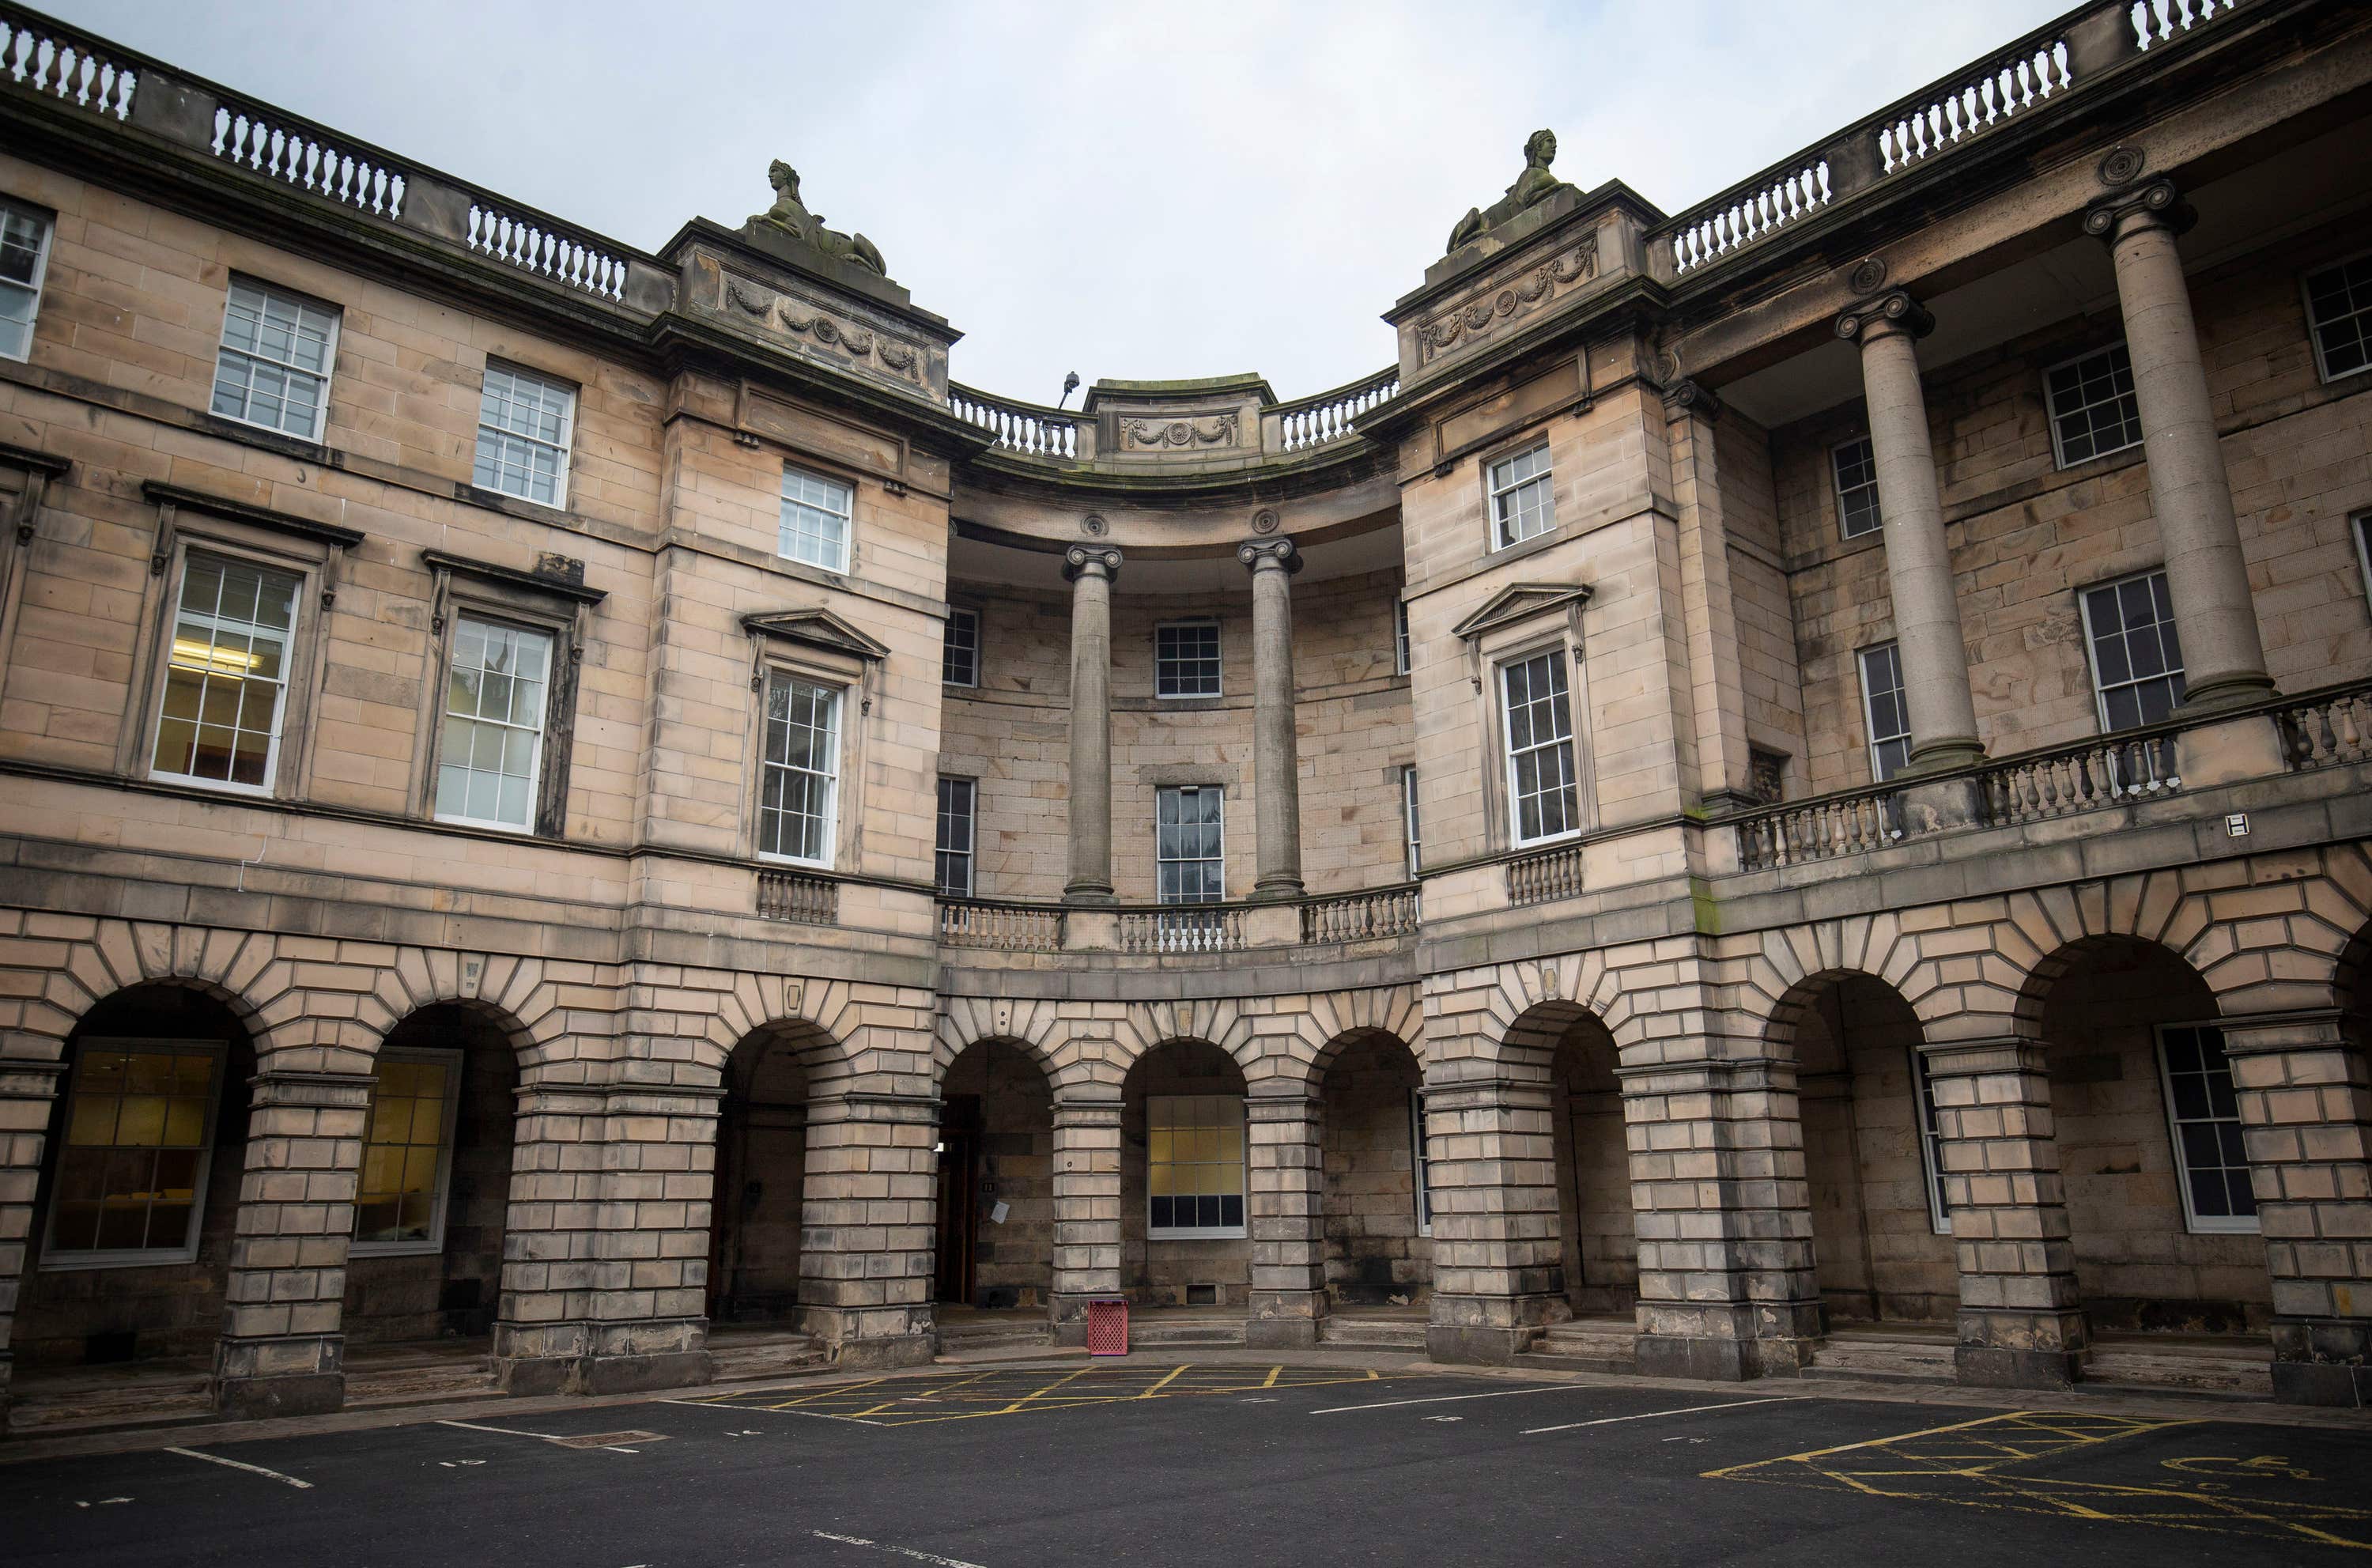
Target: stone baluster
(1287,1216)
(1275,769)
(29,1092)
(1087,1206)
(1090,569)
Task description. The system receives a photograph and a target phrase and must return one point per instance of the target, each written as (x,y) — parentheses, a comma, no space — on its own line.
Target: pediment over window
(816,629)
(1520,602)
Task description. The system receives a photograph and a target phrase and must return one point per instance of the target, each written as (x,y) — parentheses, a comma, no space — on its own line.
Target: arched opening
(2160,1206)
(996,1250)
(1185,1181)
(1374,1209)
(1599,1234)
(757,1202)
(137,1203)
(1882,1238)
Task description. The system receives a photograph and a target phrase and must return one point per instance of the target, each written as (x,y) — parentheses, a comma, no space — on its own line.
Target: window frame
(1845,530)
(2359,525)
(2059,460)
(1878,771)
(1931,1142)
(2313,328)
(1559,654)
(1420,1162)
(784,533)
(1411,829)
(1219,859)
(296,655)
(566,446)
(2195,1223)
(145,1257)
(49,222)
(1243,1172)
(957,615)
(970,854)
(329,358)
(2092,652)
(538,795)
(1493,491)
(834,806)
(457,1064)
(1218,659)
(1401,659)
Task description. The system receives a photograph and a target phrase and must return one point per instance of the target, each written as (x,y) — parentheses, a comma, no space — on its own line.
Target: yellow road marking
(1269,1382)
(1154,1392)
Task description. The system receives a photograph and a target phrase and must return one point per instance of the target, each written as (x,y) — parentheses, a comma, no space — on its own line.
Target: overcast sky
(1136,189)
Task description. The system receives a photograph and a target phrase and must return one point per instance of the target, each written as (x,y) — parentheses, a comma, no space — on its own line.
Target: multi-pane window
(1522,505)
(816,511)
(2339,305)
(799,797)
(1931,1144)
(1186,659)
(407,1150)
(1420,1163)
(960,649)
(1855,464)
(273,367)
(2205,1116)
(1885,710)
(957,799)
(2136,654)
(1400,637)
(2092,407)
(1543,784)
(1191,858)
(226,675)
(2362,525)
(132,1175)
(490,756)
(1194,1166)
(24,257)
(1409,830)
(523,428)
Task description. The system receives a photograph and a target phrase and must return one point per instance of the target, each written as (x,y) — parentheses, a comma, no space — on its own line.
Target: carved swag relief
(1160,434)
(1480,315)
(903,361)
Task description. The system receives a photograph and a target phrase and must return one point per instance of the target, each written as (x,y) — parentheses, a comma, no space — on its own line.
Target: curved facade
(1790,767)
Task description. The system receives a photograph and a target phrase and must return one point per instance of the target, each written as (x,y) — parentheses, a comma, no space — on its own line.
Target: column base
(1281,890)
(2015,1348)
(258,1379)
(868,1338)
(535,1361)
(1486,1331)
(1090,895)
(1945,755)
(1725,1342)
(2232,692)
(1284,1319)
(2248,746)
(1940,806)
(2323,1361)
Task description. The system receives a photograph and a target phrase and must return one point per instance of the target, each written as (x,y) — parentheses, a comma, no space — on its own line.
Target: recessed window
(1186,659)
(1195,1167)
(799,797)
(226,675)
(1767,771)
(524,422)
(139,1136)
(273,367)
(2093,412)
(1884,710)
(407,1151)
(2361,526)
(490,758)
(24,260)
(2339,306)
(1400,637)
(960,649)
(1409,830)
(1521,505)
(816,512)
(957,800)
(1931,1145)
(1420,1163)
(2136,652)
(2203,1114)
(1543,784)
(1854,465)
(1190,848)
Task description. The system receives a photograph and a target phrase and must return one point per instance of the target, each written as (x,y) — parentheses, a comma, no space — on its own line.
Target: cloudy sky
(1130,189)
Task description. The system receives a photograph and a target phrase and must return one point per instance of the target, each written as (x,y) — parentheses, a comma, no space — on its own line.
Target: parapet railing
(1026,430)
(1065,435)
(2327,729)
(1544,877)
(1001,927)
(1011,927)
(1362,916)
(2061,56)
(1325,419)
(798,897)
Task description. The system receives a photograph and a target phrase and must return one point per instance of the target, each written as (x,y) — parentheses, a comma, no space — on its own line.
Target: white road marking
(242,1465)
(1445,1418)
(504,1431)
(1453,1398)
(1650,1416)
(104,1502)
(562,1438)
(930,1557)
(459,1464)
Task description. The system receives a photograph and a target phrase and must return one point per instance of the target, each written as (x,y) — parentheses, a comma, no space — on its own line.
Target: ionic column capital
(1886,314)
(2153,205)
(1685,396)
(1091,560)
(1274,553)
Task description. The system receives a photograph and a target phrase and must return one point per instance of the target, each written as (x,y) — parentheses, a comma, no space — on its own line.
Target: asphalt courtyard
(1213,1462)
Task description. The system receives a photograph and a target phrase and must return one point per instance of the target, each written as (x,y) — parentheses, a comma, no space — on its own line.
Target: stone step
(1388,1334)
(140,1403)
(964,1342)
(771,1357)
(1151,1336)
(426,1384)
(1556,1360)
(2241,1372)
(1584,1346)
(1882,1359)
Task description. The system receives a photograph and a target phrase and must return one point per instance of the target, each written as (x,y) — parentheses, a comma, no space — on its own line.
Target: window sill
(215,787)
(83,1262)
(785,863)
(396,1248)
(1237,1233)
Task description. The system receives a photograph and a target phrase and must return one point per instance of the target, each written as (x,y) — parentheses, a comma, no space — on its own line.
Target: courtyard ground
(1232,1460)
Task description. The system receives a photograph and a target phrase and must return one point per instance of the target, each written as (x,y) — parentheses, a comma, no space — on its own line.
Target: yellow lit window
(406,1152)
(132,1173)
(1194,1166)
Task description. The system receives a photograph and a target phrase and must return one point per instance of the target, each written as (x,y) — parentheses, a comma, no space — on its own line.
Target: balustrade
(2077,778)
(1851,823)
(1005,928)
(536,244)
(2018,82)
(789,895)
(1740,218)
(57,62)
(1546,876)
(2328,729)
(1215,929)
(1026,428)
(299,155)
(1326,418)
(1359,917)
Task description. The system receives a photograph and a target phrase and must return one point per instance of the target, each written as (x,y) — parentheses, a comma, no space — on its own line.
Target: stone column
(1090,569)
(866,1230)
(1275,768)
(283,1349)
(1726,1285)
(1498,1267)
(1918,560)
(1087,1206)
(1287,1214)
(2305,1106)
(647,1323)
(2223,655)
(2021,1319)
(552,1265)
(28,1092)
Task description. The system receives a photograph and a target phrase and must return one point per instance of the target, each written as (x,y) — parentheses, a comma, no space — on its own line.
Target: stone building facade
(1792,765)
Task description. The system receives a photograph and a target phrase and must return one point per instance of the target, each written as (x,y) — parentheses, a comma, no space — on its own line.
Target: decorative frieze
(1481,314)
(861,345)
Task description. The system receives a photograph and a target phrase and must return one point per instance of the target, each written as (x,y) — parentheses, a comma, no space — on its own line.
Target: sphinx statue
(1535,185)
(789,215)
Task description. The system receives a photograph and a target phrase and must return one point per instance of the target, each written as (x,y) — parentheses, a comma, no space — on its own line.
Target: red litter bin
(1108,1327)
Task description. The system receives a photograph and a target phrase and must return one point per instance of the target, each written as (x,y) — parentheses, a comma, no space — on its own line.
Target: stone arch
(1334,1019)
(821,1019)
(1960,982)
(996,1146)
(1219,1021)
(241,969)
(1522,996)
(516,995)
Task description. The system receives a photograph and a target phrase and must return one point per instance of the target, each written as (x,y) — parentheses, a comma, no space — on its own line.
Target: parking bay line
(931,1557)
(243,1465)
(1453,1398)
(1650,1416)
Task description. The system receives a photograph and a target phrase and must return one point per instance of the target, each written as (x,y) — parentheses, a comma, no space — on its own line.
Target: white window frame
(1412,832)
(1837,483)
(171,619)
(542,729)
(455,1065)
(1497,491)
(1243,1174)
(2194,1222)
(1401,661)
(832,780)
(2359,525)
(786,536)
(2092,648)
(2314,328)
(1218,659)
(48,227)
(1877,770)
(1556,655)
(1420,1162)
(142,1257)
(968,853)
(1931,1143)
(328,357)
(564,448)
(2059,459)
(967,621)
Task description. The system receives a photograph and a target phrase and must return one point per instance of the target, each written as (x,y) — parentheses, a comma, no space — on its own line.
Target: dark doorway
(960,1199)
